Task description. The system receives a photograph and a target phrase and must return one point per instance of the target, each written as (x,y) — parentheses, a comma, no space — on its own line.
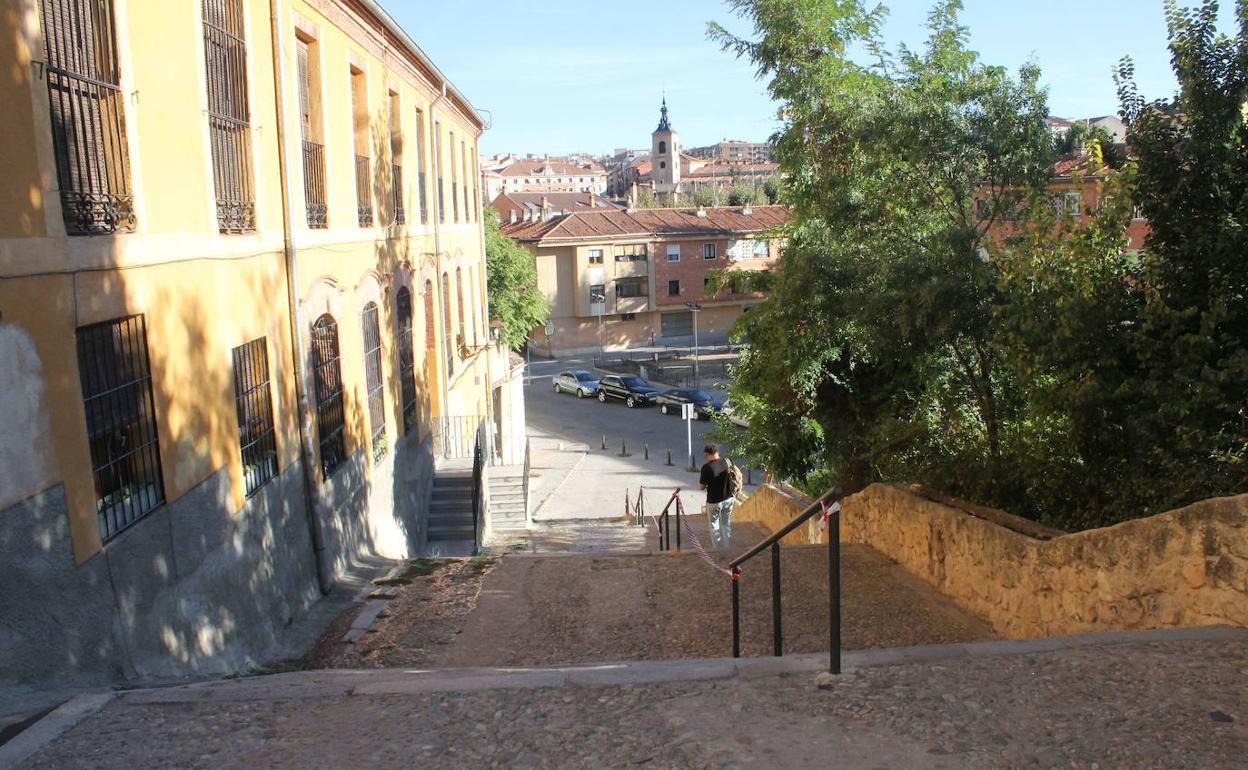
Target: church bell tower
(665,157)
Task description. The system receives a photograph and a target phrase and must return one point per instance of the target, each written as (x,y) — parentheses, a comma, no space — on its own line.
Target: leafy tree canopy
(511,276)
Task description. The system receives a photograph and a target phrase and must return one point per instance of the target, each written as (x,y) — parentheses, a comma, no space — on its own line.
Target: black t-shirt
(715,479)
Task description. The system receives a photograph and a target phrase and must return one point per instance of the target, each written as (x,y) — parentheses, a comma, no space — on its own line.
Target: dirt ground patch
(431,603)
(553,609)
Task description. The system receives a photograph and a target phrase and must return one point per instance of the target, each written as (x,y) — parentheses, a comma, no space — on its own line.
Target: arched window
(372,380)
(407,361)
(662,164)
(662,147)
(461,337)
(327,380)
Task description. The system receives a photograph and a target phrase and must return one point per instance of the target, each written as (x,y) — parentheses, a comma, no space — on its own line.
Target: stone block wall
(1186,567)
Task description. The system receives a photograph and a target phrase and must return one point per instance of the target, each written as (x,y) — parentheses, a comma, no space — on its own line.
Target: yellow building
(242,296)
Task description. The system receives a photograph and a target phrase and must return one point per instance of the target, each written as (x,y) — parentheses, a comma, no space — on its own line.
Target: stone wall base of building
(195,588)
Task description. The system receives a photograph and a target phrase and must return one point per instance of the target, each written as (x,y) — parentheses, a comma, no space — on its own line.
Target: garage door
(677,324)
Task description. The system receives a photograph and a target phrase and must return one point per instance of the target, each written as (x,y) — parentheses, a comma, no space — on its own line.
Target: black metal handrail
(829,501)
(478,484)
(665,522)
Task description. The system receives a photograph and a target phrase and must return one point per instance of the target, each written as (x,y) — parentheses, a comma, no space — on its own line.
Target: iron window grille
(121,422)
(253,402)
(363,198)
(327,381)
(229,129)
(86,106)
(424,203)
(454,200)
(373,381)
(314,184)
(407,360)
(447,342)
(441,202)
(396,189)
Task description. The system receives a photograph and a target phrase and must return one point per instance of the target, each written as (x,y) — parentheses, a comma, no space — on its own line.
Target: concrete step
(455,517)
(506,497)
(447,532)
(507,510)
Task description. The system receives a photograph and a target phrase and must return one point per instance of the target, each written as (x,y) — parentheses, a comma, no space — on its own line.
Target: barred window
(437,162)
(254,404)
(314,198)
(372,380)
(121,422)
(327,381)
(229,129)
(421,179)
(460,337)
(446,322)
(85,102)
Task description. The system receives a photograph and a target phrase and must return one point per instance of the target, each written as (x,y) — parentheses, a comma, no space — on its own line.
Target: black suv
(633,391)
(704,405)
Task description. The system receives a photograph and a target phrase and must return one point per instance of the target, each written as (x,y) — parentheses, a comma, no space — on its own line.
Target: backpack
(735,481)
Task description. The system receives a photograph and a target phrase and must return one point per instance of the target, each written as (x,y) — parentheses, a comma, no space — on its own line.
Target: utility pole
(697,378)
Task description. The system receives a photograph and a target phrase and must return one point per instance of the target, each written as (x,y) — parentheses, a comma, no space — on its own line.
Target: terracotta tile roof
(641,223)
(1075,162)
(556,167)
(507,202)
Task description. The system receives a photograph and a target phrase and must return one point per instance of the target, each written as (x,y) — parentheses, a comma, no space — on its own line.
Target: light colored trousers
(720,516)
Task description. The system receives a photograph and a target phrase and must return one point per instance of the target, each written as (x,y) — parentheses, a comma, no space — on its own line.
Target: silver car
(734,418)
(584,384)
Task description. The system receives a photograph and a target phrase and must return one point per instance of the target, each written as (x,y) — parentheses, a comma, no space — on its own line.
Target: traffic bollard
(669,457)
(604,442)
(645,451)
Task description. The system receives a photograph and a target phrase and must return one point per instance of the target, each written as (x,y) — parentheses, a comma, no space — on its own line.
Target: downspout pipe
(324,579)
(440,202)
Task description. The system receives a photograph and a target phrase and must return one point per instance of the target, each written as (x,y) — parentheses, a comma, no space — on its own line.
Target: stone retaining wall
(1186,567)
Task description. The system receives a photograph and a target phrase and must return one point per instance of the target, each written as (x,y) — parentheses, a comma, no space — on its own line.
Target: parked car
(671,401)
(633,391)
(580,382)
(734,418)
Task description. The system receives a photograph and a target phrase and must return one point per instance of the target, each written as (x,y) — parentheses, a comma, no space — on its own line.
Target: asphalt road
(586,421)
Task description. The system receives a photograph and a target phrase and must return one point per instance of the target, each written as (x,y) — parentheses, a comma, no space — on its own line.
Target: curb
(34,738)
(331,683)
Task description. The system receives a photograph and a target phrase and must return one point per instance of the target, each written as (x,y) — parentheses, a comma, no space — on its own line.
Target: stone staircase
(508,507)
(450,505)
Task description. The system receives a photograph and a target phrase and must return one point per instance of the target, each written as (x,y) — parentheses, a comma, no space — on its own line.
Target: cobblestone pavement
(1132,706)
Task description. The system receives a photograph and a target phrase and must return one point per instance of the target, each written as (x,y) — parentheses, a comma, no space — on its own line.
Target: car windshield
(584,376)
(699,395)
(633,382)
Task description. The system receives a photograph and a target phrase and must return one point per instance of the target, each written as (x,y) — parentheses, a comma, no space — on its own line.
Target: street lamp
(694,308)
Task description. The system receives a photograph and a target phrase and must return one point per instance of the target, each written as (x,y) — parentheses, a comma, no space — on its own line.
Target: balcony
(632,304)
(632,269)
(396,190)
(314,184)
(363,197)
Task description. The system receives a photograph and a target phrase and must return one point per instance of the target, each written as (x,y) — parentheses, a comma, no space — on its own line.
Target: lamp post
(695,307)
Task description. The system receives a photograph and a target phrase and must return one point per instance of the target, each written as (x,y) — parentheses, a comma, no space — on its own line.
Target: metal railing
(363,196)
(396,190)
(528,446)
(829,502)
(314,184)
(455,438)
(478,488)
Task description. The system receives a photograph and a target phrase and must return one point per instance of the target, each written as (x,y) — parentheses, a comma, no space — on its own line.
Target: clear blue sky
(557,76)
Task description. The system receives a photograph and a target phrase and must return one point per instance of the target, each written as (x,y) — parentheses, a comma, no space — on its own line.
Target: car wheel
(557,388)
(602,397)
(663,408)
(580,393)
(629,402)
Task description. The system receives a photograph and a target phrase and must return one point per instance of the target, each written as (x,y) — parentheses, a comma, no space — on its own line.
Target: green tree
(511,275)
(873,356)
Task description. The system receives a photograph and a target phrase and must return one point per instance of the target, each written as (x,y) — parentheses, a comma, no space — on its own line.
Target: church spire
(663,124)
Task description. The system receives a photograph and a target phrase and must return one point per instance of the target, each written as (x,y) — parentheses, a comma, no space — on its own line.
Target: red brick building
(617,279)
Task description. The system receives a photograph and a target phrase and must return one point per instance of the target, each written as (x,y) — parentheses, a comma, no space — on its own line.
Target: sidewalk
(1176,699)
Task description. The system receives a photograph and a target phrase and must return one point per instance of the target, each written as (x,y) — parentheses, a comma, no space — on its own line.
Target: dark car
(580,382)
(633,391)
(671,401)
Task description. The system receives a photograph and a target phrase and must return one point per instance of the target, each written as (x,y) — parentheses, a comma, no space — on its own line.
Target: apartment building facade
(242,283)
(735,151)
(619,279)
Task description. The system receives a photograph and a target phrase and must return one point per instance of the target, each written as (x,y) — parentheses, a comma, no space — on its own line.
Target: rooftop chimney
(701,212)
(747,210)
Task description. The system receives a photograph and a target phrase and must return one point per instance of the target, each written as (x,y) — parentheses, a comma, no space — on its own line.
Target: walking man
(715,479)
